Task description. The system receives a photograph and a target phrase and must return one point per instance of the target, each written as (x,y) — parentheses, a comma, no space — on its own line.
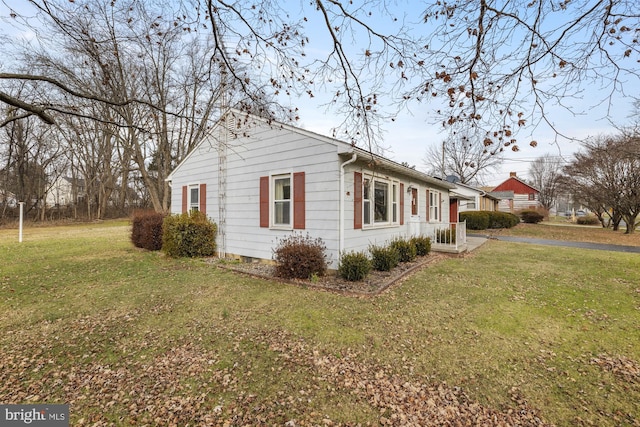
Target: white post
(20,226)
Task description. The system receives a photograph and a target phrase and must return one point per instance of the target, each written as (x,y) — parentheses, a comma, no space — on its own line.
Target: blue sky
(407,138)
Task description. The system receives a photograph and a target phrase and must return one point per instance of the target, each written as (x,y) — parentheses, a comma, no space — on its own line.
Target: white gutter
(341,209)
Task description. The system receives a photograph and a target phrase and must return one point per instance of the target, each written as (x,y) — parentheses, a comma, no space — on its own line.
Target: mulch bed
(375,282)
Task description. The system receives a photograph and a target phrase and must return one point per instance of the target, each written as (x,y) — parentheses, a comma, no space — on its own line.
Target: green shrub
(531,217)
(146,230)
(445,235)
(481,220)
(407,251)
(383,258)
(476,220)
(587,220)
(300,257)
(190,234)
(422,244)
(354,266)
(499,219)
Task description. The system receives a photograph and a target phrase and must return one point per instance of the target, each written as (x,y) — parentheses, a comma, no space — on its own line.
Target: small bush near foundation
(354,266)
(531,217)
(190,234)
(146,230)
(422,244)
(300,257)
(383,258)
(406,249)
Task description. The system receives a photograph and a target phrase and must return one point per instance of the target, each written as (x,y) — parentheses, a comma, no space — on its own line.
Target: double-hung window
(434,205)
(282,205)
(379,201)
(194,197)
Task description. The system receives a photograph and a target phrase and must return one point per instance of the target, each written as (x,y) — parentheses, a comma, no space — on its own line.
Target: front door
(414,221)
(453,210)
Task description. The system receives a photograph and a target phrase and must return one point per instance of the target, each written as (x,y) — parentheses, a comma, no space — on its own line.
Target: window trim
(191,205)
(392,198)
(272,200)
(435,209)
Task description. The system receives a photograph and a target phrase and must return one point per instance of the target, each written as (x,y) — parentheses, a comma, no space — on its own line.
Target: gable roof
(505,185)
(344,150)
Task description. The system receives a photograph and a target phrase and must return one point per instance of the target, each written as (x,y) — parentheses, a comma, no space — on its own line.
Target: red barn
(524,195)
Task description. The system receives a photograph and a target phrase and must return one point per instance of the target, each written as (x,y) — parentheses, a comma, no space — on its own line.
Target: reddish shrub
(146,230)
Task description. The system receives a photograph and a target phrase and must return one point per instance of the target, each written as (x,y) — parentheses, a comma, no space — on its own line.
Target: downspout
(341,208)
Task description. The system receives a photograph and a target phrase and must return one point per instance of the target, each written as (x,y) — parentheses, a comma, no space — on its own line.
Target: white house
(65,191)
(261,180)
(474,199)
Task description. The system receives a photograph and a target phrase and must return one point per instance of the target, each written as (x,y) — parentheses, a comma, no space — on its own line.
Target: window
(394,208)
(366,201)
(434,205)
(194,197)
(282,200)
(379,201)
(532,196)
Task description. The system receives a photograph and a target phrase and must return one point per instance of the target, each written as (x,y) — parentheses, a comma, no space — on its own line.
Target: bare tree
(141,74)
(496,67)
(463,157)
(545,173)
(607,176)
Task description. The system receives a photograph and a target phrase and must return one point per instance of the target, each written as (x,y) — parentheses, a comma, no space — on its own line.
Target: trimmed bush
(383,258)
(146,230)
(531,217)
(476,220)
(422,244)
(406,249)
(354,266)
(499,219)
(190,234)
(587,220)
(300,257)
(481,220)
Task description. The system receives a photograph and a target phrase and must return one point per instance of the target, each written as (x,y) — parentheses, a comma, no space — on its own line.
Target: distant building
(524,196)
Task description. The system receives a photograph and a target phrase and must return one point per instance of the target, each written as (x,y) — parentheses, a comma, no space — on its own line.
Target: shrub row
(187,235)
(481,220)
(355,266)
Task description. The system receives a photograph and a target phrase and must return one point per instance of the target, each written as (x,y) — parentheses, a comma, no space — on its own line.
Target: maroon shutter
(401,204)
(357,200)
(185,191)
(264,201)
(428,207)
(298,201)
(203,198)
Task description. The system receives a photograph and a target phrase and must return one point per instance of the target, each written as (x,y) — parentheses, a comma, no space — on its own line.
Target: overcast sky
(407,138)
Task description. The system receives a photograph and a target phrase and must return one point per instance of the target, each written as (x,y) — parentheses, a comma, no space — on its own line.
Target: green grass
(88,319)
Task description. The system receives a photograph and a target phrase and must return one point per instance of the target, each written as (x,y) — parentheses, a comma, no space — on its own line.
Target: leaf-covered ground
(513,335)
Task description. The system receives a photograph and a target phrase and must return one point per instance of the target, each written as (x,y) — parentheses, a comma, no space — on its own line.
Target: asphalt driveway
(549,242)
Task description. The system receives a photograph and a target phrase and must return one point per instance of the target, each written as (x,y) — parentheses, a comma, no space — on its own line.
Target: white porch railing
(447,236)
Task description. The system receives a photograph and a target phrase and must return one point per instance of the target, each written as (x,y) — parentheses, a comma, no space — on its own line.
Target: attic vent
(232,125)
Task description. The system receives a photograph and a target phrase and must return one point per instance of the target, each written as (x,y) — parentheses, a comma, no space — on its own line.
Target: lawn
(512,333)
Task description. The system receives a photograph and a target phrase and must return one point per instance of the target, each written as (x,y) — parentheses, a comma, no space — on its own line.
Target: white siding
(269,150)
(264,152)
